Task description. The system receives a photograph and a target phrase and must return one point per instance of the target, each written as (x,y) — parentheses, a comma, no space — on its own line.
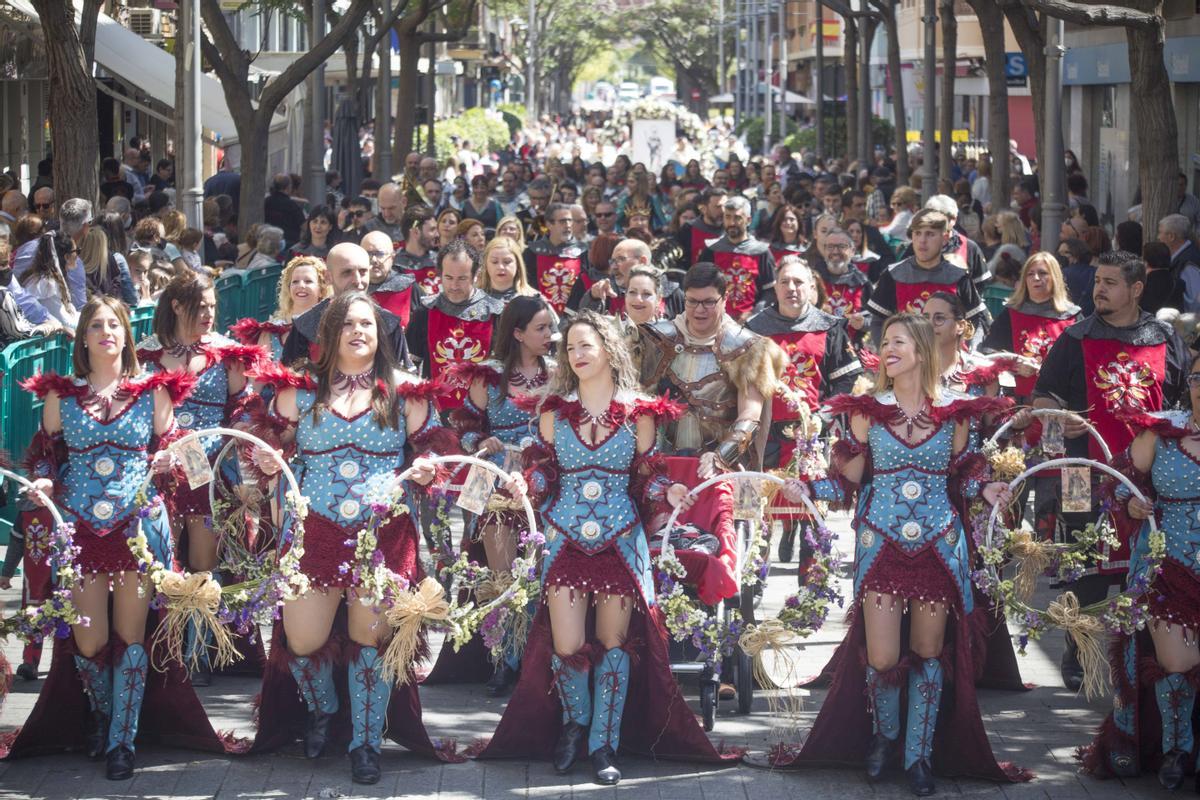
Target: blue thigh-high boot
(129,686)
(1176,698)
(97,679)
(883,698)
(314,678)
(369,694)
(608,707)
(571,681)
(197,649)
(924,700)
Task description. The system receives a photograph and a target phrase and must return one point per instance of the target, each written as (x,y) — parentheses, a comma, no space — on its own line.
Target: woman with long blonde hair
(511,227)
(1034,317)
(906,446)
(503,273)
(593,458)
(303,283)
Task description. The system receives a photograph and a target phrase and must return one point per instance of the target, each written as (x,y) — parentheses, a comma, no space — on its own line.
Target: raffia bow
(494,586)
(425,604)
(1088,633)
(773,635)
(193,600)
(1034,555)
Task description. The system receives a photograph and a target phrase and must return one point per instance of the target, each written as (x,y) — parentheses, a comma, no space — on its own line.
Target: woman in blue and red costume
(303,283)
(906,445)
(490,421)
(1157,670)
(594,460)
(345,426)
(104,429)
(184,340)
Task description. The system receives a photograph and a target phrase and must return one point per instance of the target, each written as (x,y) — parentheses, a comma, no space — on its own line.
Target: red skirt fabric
(923,576)
(657,722)
(603,572)
(108,554)
(326,549)
(282,713)
(186,501)
(841,734)
(1175,595)
(171,712)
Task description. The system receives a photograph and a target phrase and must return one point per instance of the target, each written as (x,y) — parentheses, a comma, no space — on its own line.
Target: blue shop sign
(1109,63)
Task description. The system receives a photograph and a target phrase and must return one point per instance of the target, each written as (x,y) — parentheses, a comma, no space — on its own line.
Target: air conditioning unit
(146,22)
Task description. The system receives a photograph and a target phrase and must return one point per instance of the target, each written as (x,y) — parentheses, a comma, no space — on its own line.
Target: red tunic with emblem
(749,267)
(553,269)
(694,237)
(1029,330)
(444,333)
(395,294)
(422,269)
(847,292)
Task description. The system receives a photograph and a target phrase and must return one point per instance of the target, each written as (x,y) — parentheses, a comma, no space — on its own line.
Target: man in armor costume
(553,264)
(747,262)
(720,370)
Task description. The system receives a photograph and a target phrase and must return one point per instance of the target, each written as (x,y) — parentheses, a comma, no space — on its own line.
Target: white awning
(151,69)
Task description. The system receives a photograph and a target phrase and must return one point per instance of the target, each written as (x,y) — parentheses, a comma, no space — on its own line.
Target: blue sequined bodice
(205,406)
(107,462)
(908,498)
(344,463)
(593,504)
(1176,477)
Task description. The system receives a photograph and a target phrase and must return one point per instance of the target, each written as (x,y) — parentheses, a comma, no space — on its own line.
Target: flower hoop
(1124,613)
(1052,413)
(802,614)
(510,596)
(56,615)
(198,600)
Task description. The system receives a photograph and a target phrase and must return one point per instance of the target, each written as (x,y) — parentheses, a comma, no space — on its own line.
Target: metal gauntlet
(736,442)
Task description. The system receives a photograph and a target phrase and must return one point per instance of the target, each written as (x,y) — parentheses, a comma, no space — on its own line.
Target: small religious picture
(1076,490)
(1053,442)
(747,500)
(195,463)
(477,490)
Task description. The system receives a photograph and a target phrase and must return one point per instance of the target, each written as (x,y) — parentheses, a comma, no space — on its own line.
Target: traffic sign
(1016,71)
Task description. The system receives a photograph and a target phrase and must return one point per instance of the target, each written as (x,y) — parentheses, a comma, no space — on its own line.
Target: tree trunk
(991,23)
(864,88)
(1155,126)
(850,65)
(254,141)
(73,121)
(406,97)
(888,11)
(1029,30)
(946,107)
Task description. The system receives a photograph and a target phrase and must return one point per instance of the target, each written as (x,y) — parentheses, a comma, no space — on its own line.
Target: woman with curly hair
(303,283)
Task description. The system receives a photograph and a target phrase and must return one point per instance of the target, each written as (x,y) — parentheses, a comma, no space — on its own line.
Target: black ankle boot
(97,734)
(1069,668)
(572,744)
(364,765)
(120,763)
(920,778)
(316,732)
(202,677)
(1170,774)
(604,766)
(500,684)
(878,755)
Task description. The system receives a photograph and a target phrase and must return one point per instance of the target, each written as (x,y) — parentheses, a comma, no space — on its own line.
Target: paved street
(1038,729)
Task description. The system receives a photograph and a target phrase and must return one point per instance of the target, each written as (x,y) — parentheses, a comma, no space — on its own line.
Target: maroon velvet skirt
(107,554)
(603,572)
(1175,595)
(328,547)
(923,576)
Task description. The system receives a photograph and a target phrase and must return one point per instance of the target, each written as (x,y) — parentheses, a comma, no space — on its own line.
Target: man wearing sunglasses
(43,204)
(554,263)
(1119,359)
(358,214)
(719,369)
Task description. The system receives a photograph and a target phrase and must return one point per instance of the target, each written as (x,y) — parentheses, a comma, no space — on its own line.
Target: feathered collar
(462,374)
(948,406)
(248,330)
(1167,424)
(973,370)
(280,377)
(177,383)
(626,406)
(217,349)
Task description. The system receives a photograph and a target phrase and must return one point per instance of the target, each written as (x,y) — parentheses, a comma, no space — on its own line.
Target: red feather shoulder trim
(540,403)
(249,355)
(1163,426)
(462,374)
(985,373)
(970,408)
(869,360)
(179,384)
(281,377)
(661,408)
(864,405)
(418,390)
(45,382)
(249,330)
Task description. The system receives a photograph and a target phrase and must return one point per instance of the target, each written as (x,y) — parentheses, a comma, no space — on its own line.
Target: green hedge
(882,133)
(483,130)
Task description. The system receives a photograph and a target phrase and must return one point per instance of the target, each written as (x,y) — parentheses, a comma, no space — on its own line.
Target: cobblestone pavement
(1038,729)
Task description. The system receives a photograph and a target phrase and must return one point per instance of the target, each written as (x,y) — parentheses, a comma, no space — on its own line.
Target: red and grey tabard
(695,236)
(1029,330)
(395,294)
(847,293)
(423,269)
(553,269)
(442,333)
(749,269)
(906,286)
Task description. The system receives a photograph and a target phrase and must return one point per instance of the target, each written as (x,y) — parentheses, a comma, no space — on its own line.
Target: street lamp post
(818,83)
(768,101)
(929,147)
(531,41)
(316,174)
(1053,207)
(783,43)
(383,149)
(192,172)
